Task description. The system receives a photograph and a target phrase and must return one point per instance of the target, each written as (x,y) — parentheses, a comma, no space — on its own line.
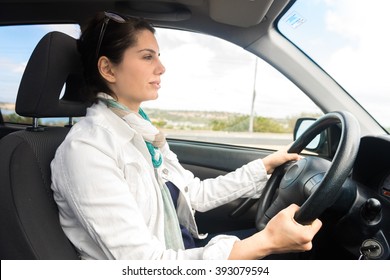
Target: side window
(214,91)
(17,44)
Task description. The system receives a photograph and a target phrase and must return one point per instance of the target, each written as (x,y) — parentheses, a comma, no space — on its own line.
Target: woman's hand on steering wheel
(278,158)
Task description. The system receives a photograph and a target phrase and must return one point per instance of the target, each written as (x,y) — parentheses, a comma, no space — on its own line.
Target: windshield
(349,40)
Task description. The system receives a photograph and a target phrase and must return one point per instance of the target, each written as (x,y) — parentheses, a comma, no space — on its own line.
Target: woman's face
(137,78)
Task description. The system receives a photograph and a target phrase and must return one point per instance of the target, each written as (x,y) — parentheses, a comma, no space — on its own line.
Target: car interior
(50,88)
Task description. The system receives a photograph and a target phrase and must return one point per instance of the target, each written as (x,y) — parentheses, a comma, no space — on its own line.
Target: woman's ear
(105,68)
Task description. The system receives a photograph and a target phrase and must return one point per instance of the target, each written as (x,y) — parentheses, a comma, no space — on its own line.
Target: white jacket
(109,201)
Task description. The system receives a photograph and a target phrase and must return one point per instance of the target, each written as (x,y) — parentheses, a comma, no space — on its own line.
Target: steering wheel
(311,182)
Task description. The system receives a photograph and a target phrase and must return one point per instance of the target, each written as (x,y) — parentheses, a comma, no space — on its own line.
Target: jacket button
(165,171)
(186,189)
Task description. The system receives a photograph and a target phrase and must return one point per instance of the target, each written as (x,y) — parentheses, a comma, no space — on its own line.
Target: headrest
(55,62)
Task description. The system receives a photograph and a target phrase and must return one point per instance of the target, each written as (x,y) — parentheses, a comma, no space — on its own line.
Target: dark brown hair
(117,38)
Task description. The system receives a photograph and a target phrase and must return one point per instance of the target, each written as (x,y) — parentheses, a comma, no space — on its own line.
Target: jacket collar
(124,134)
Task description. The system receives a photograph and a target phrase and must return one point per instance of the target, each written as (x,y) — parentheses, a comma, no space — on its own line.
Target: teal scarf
(152,149)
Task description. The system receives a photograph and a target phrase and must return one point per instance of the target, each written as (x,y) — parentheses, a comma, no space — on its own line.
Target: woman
(121,192)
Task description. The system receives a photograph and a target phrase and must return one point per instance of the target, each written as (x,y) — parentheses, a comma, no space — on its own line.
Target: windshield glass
(349,40)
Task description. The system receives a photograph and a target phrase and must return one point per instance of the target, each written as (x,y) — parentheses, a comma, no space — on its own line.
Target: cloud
(19,68)
(10,76)
(70,29)
(367,58)
(10,66)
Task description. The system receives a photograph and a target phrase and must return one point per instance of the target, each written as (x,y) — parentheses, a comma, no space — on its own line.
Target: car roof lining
(166,13)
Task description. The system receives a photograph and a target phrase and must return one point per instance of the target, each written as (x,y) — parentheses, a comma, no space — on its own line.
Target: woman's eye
(148,57)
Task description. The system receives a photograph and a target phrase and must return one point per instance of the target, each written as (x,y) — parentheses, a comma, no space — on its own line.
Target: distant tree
(236,123)
(159,123)
(262,124)
(15,118)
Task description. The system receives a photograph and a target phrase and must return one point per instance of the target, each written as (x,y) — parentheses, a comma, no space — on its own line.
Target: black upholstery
(30,227)
(54,62)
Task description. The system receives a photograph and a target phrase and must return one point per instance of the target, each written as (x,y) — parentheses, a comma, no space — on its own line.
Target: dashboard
(367,220)
(372,165)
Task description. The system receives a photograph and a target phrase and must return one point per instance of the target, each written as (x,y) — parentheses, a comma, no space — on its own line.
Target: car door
(208,160)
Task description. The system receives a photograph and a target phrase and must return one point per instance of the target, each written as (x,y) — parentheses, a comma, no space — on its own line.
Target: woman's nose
(160,68)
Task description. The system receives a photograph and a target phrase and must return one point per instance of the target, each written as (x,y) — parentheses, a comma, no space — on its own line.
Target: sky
(201,69)
(354,33)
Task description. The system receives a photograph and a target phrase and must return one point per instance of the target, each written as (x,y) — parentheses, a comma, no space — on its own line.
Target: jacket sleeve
(246,181)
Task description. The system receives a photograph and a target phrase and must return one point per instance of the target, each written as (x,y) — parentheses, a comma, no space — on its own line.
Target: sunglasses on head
(107,17)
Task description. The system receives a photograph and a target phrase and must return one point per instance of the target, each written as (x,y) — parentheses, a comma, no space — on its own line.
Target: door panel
(207,160)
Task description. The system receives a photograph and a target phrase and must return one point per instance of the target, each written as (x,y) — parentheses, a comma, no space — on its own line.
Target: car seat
(30,227)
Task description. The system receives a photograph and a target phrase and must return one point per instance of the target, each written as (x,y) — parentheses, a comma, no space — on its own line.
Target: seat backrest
(30,227)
